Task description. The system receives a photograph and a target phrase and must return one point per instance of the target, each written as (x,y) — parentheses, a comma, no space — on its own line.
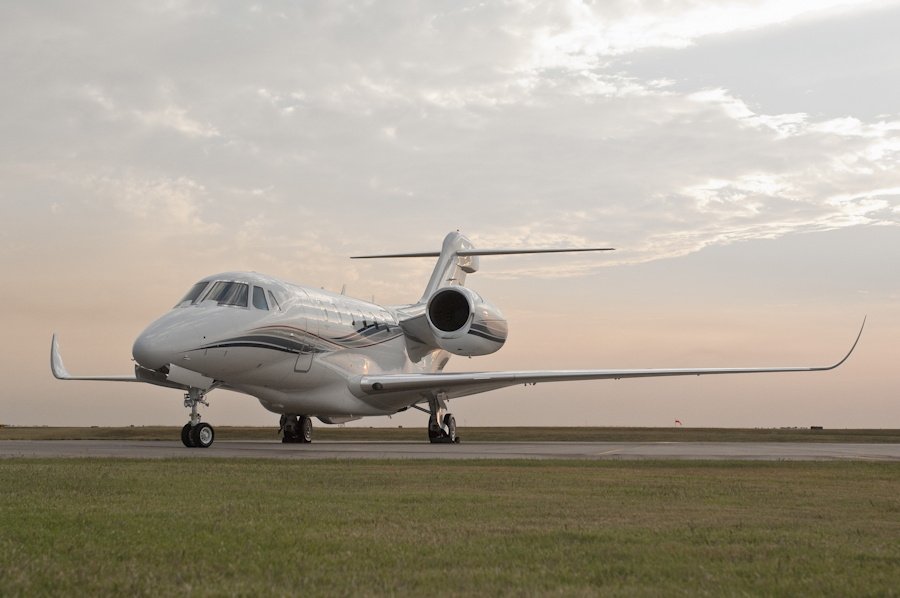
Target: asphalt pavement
(231,449)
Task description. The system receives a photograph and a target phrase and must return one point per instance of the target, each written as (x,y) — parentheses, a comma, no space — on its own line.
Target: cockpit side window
(259,299)
(229,293)
(193,294)
(274,302)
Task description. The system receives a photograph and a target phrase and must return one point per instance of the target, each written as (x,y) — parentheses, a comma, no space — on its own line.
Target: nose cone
(152,349)
(166,340)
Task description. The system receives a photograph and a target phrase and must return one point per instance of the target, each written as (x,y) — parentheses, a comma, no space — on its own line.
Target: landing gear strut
(296,429)
(441,423)
(196,434)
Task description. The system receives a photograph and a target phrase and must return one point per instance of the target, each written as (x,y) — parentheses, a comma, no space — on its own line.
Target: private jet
(304,352)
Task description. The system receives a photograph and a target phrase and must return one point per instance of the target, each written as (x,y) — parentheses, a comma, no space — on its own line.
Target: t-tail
(459,257)
(450,316)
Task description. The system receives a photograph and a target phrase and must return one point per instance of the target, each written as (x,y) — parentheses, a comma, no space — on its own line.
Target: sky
(742,157)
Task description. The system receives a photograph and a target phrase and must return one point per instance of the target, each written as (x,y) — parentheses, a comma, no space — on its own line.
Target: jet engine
(465,324)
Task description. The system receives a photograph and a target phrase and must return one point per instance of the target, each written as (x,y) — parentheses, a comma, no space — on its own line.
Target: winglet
(858,336)
(56,362)
(61,373)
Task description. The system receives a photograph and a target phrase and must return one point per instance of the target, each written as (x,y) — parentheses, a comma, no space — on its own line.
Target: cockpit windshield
(229,293)
(193,294)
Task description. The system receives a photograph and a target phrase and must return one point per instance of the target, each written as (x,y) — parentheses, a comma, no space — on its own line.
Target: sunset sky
(743,157)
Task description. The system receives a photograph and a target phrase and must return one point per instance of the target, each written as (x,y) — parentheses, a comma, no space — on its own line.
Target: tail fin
(458,257)
(452,265)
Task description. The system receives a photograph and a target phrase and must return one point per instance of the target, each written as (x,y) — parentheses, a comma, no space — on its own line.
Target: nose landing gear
(196,434)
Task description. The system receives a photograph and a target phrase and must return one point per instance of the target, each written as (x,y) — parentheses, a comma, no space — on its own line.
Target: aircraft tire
(434,433)
(450,425)
(186,439)
(203,435)
(305,435)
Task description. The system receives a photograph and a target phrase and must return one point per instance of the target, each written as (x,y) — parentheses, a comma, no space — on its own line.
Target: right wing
(468,383)
(60,372)
(141,374)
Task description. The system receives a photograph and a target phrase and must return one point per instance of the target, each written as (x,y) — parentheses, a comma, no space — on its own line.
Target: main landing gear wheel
(450,427)
(296,429)
(443,434)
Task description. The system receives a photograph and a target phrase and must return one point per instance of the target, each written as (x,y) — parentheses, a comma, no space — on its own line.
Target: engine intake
(463,323)
(449,310)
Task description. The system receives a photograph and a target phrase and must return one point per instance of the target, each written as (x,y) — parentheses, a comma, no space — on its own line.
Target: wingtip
(853,346)
(56,363)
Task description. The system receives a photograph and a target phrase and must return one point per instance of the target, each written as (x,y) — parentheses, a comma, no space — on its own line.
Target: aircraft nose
(150,351)
(170,338)
(161,342)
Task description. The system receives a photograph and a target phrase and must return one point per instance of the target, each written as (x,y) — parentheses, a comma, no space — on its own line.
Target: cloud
(512,122)
(156,143)
(583,34)
(167,116)
(162,206)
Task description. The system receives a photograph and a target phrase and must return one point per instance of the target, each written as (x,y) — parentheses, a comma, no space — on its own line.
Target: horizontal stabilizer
(474,252)
(459,257)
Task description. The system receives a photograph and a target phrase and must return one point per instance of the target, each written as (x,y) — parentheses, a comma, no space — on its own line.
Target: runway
(741,451)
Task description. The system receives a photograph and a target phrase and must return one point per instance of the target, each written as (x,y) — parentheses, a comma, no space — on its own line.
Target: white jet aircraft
(304,352)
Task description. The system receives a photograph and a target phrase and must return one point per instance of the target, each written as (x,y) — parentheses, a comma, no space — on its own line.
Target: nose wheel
(199,436)
(196,434)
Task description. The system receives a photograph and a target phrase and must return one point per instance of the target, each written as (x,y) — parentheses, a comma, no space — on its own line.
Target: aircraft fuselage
(296,352)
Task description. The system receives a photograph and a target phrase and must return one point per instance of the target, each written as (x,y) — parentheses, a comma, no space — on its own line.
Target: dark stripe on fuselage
(289,344)
(249,344)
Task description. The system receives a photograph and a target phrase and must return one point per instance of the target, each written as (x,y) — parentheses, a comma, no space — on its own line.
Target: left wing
(468,383)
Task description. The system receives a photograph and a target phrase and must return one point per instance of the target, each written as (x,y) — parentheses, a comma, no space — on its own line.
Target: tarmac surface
(230,449)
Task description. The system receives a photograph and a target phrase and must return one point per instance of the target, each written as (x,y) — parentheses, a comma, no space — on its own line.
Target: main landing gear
(295,429)
(196,434)
(441,423)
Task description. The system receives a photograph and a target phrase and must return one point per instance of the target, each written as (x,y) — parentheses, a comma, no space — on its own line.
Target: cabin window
(193,294)
(259,299)
(229,293)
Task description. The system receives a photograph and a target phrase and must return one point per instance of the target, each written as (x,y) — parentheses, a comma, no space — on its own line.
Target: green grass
(235,527)
(323,432)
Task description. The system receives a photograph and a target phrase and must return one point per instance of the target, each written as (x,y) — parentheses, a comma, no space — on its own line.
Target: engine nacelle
(465,324)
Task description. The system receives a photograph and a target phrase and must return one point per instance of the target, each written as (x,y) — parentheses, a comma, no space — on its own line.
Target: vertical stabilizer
(451,268)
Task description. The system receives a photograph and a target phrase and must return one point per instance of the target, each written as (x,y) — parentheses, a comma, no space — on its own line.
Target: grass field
(323,432)
(340,528)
